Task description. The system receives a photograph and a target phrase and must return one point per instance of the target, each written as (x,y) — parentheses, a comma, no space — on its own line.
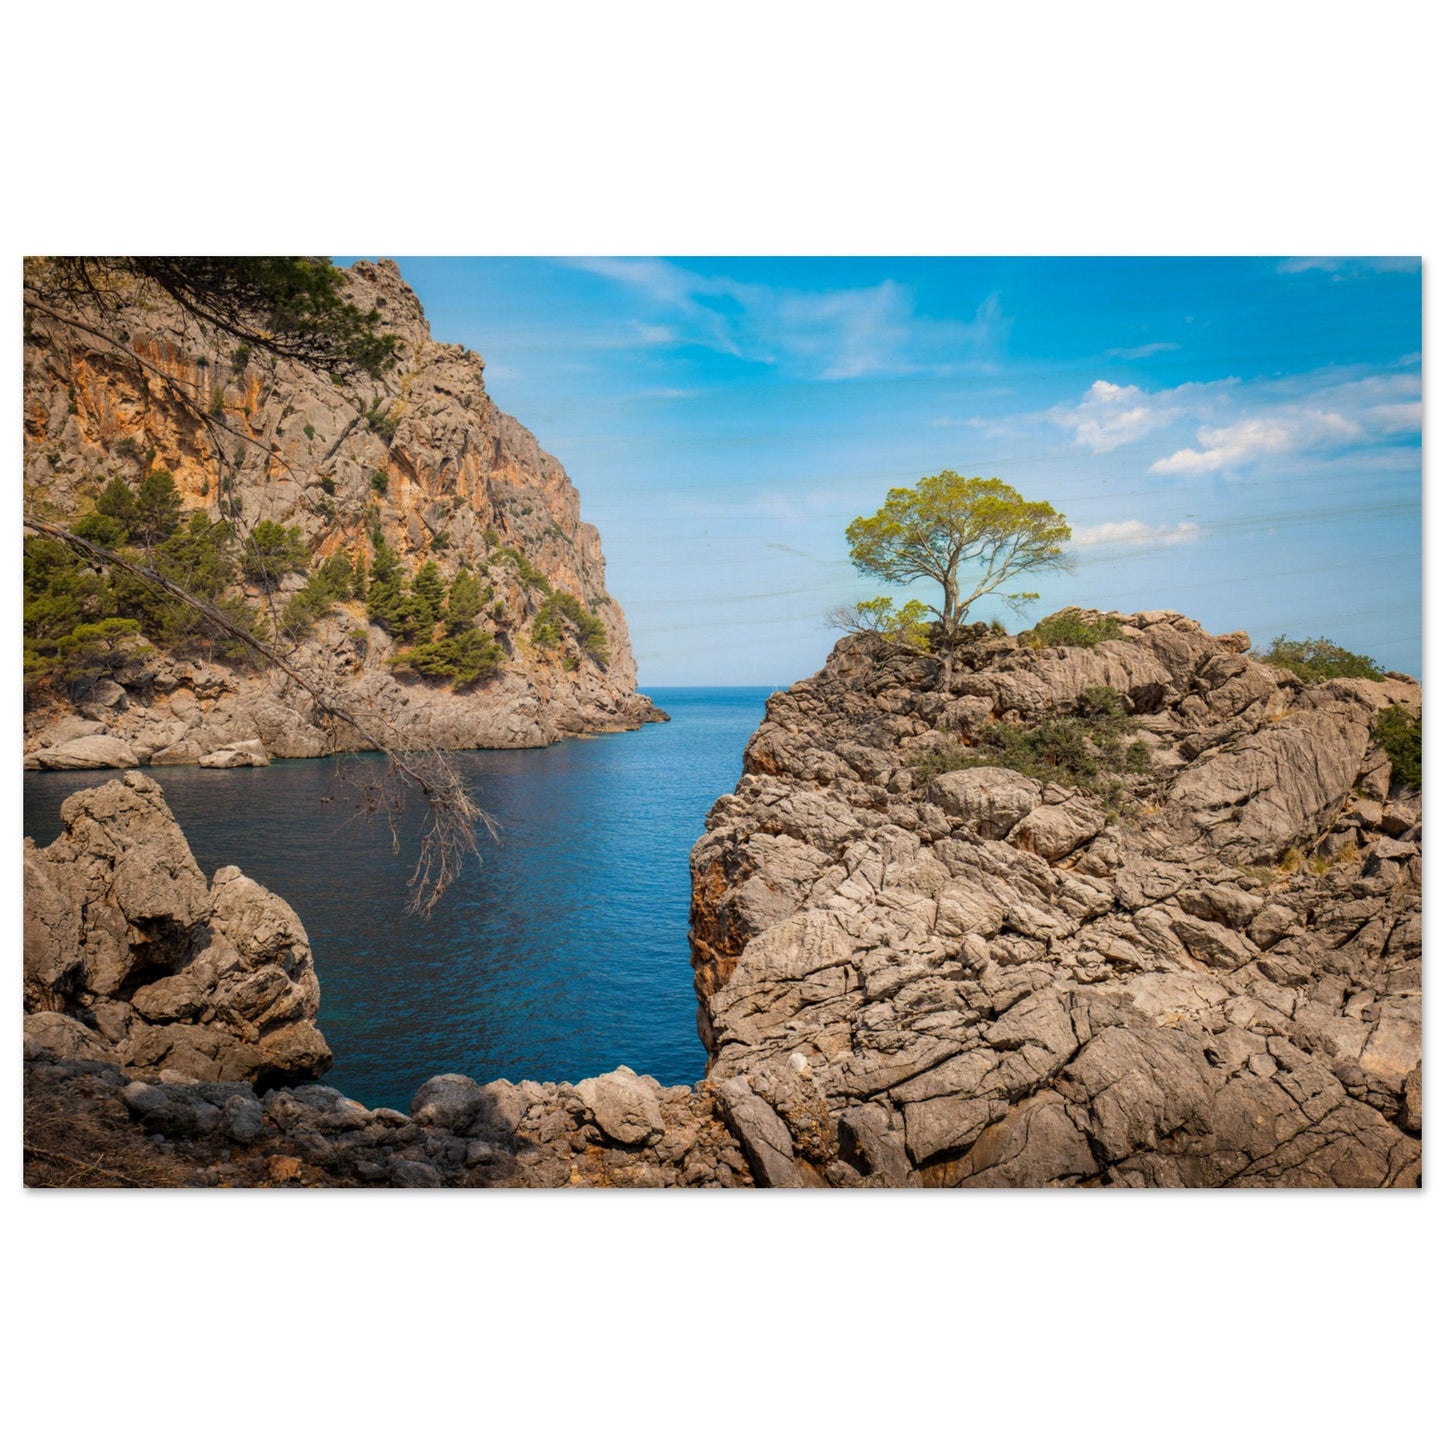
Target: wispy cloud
(1135,533)
(1348,265)
(832,335)
(1259,436)
(1138,353)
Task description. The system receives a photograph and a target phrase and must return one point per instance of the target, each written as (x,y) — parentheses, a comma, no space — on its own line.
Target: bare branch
(455,815)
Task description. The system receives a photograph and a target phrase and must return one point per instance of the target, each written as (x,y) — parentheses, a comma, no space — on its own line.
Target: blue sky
(1239,439)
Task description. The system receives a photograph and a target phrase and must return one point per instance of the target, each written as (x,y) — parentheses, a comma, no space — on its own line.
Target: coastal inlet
(560,954)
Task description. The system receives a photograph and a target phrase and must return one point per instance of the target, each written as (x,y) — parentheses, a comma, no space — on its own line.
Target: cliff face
(423,456)
(1196,964)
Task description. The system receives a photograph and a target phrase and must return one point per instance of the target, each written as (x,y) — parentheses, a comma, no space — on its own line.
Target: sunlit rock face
(421,456)
(913,970)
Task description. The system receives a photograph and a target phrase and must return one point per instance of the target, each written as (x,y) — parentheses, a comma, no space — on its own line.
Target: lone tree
(948,522)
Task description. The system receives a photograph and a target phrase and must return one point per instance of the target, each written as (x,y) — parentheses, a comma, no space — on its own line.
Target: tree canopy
(948,523)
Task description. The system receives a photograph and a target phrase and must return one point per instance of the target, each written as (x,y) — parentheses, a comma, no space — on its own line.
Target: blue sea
(562,951)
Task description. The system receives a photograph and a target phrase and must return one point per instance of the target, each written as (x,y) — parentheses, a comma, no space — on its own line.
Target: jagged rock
(211,983)
(989,800)
(1034,995)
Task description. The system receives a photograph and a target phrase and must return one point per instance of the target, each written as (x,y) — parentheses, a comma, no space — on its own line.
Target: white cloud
(1109,416)
(1135,533)
(1259,436)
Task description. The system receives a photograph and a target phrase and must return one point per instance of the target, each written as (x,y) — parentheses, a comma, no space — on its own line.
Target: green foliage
(1401,735)
(327,485)
(388,600)
(428,602)
(490,537)
(270,551)
(460,658)
(531,576)
(197,557)
(95,649)
(1083,751)
(337,573)
(60,594)
(117,502)
(561,608)
(382,419)
(465,600)
(101,529)
(379,482)
(948,522)
(157,507)
(240,358)
(1317,659)
(1069,629)
(877,617)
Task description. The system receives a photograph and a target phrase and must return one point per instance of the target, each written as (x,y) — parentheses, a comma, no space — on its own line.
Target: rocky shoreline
(1202,969)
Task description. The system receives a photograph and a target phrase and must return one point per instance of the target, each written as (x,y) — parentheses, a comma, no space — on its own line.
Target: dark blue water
(560,954)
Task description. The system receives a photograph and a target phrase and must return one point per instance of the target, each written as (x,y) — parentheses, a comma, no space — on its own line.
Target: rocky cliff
(967,936)
(420,459)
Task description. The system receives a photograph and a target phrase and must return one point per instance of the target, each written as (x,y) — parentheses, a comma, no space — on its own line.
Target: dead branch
(455,815)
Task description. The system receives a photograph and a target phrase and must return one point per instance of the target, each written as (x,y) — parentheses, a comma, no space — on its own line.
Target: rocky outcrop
(93,1123)
(131,958)
(1204,971)
(421,457)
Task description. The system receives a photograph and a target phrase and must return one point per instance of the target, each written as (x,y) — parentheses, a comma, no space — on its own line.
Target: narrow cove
(560,954)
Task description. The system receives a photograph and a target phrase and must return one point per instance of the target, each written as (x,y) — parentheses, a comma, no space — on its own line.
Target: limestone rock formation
(421,457)
(132,959)
(912,970)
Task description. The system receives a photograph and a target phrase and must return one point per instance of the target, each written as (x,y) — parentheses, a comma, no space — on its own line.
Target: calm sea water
(560,954)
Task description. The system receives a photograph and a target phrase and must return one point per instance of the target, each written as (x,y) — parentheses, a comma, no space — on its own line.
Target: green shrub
(157,507)
(1317,659)
(270,551)
(561,608)
(460,658)
(1401,735)
(531,576)
(1077,751)
(1069,629)
(382,419)
(378,482)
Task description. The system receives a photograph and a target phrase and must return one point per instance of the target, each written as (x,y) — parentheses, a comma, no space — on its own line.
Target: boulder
(246,754)
(97,750)
(624,1106)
